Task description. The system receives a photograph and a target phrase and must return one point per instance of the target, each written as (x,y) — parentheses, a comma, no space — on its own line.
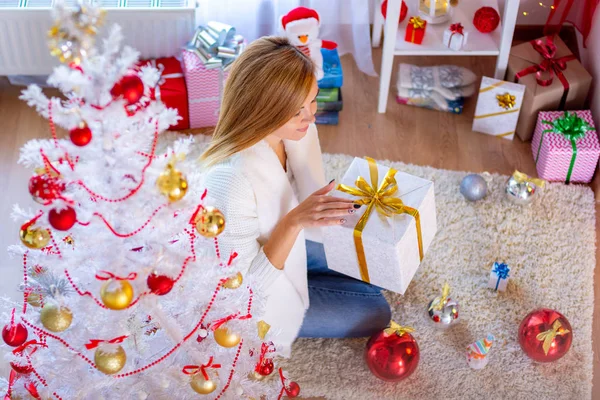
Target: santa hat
(298,14)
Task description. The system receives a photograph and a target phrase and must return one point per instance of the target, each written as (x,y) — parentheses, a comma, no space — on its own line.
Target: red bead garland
(62,220)
(486,19)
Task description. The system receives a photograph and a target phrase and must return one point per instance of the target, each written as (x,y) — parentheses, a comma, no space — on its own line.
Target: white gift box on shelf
(388,251)
(499,276)
(498,107)
(455,37)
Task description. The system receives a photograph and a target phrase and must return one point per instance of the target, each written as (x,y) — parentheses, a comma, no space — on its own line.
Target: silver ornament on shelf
(474,187)
(443,310)
(521,189)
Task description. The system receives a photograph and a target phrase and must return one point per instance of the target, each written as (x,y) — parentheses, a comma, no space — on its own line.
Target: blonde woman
(264,172)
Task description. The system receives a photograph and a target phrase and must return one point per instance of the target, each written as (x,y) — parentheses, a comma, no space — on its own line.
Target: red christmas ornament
(292,390)
(45,188)
(265,368)
(21,369)
(160,284)
(403,10)
(62,220)
(81,135)
(545,335)
(392,354)
(486,19)
(14,334)
(130,87)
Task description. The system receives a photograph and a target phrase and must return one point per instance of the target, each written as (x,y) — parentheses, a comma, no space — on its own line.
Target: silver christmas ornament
(521,189)
(443,310)
(474,187)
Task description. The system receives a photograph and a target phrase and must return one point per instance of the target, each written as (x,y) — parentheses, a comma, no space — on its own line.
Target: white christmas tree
(125,292)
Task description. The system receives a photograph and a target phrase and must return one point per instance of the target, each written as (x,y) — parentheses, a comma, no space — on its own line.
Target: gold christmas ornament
(33,299)
(210,222)
(234,282)
(226,338)
(263,328)
(110,359)
(56,318)
(66,48)
(201,385)
(34,238)
(172,183)
(116,294)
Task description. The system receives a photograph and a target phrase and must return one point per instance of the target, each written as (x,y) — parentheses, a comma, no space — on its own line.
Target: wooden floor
(404,133)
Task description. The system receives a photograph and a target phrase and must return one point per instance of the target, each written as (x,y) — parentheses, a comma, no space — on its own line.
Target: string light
(525,13)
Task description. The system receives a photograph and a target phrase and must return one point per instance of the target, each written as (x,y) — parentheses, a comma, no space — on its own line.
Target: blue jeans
(340,306)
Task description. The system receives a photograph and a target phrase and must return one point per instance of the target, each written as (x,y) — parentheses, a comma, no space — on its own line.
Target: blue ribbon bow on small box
(500,272)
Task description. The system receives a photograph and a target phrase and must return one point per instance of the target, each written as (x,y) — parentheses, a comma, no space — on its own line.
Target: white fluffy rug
(550,246)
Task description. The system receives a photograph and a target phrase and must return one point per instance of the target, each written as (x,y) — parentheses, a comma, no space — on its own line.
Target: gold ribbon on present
(397,329)
(417,23)
(506,100)
(522,178)
(383,201)
(549,335)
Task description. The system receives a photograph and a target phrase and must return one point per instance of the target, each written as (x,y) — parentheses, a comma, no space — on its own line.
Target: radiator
(154,30)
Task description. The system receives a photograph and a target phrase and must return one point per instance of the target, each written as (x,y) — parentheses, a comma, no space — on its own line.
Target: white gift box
(498,107)
(390,244)
(499,276)
(454,40)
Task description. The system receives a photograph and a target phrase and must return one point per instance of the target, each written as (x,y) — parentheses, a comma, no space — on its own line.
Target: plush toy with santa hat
(301,26)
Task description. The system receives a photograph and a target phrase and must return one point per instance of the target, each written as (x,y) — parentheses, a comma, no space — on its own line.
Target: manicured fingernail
(357,206)
(343,221)
(331,181)
(351,211)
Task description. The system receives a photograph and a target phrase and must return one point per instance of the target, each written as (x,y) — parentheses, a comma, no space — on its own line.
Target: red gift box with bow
(415,30)
(171,88)
(554,78)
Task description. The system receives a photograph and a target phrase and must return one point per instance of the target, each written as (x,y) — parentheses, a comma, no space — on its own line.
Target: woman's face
(296,128)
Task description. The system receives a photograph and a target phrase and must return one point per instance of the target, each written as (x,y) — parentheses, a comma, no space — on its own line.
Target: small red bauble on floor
(292,390)
(160,284)
(130,87)
(45,188)
(81,135)
(486,19)
(545,335)
(392,354)
(62,220)
(403,10)
(14,334)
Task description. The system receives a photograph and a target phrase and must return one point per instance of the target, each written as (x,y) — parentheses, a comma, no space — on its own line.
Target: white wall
(591,61)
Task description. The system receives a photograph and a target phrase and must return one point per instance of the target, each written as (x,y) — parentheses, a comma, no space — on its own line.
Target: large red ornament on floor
(62,220)
(392,354)
(130,87)
(486,19)
(403,10)
(545,335)
(14,334)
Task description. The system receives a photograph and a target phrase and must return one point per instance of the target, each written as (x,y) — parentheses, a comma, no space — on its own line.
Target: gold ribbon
(439,302)
(417,23)
(381,199)
(397,329)
(506,100)
(549,335)
(492,86)
(522,178)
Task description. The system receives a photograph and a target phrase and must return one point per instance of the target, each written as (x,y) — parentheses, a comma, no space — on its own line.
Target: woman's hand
(321,210)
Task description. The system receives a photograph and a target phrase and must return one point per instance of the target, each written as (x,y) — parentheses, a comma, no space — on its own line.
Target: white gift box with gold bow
(498,107)
(398,225)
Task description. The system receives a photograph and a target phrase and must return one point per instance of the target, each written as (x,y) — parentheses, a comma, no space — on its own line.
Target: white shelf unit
(496,43)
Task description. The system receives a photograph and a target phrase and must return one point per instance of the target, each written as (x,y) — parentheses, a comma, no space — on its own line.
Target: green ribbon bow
(573,128)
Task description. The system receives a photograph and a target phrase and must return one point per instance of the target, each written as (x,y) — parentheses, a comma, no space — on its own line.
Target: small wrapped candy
(477,352)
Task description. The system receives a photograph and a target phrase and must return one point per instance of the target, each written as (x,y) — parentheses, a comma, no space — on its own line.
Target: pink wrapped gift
(205,90)
(565,146)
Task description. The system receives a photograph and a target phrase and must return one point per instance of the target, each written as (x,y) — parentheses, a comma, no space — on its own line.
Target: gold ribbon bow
(397,329)
(506,100)
(522,178)
(549,335)
(416,22)
(440,302)
(381,199)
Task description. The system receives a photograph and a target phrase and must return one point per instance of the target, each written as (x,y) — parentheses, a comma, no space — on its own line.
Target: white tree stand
(496,43)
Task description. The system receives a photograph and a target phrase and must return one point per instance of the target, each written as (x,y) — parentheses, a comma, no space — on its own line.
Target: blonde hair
(266,87)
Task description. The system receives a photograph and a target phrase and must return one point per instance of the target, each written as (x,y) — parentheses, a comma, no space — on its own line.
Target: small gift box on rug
(385,240)
(498,107)
(555,79)
(171,88)
(499,277)
(455,37)
(415,30)
(565,146)
(332,68)
(206,61)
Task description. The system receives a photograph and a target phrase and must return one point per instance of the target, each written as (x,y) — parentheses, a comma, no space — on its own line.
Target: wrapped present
(327,117)
(171,88)
(499,277)
(565,146)
(332,68)
(333,105)
(498,107)
(415,30)
(384,242)
(555,80)
(206,61)
(455,37)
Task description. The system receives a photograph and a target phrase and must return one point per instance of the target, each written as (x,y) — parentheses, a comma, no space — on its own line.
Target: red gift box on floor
(415,30)
(171,89)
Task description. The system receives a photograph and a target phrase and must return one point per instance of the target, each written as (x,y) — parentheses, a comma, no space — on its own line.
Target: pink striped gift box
(557,155)
(205,90)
